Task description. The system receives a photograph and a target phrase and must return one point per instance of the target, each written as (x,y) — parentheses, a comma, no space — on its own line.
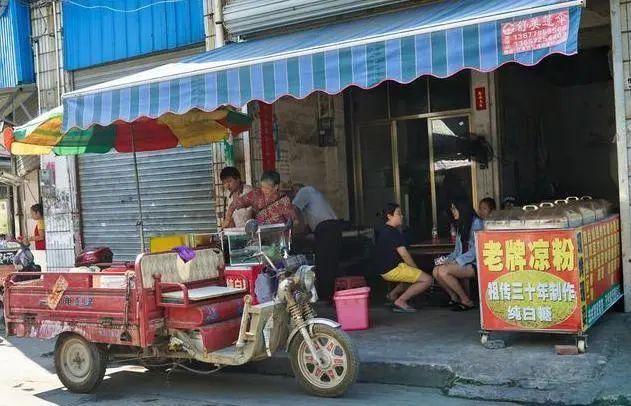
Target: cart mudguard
(310,323)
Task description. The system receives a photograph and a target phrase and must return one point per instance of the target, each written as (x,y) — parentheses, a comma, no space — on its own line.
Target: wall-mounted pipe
(36,53)
(218,20)
(57,61)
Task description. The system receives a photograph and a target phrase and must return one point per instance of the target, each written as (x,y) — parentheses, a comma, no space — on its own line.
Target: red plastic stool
(349,282)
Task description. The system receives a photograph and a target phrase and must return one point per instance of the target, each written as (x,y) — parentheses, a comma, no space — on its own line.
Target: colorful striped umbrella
(43,135)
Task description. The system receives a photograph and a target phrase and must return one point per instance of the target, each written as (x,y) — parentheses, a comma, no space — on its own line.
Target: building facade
(18,104)
(546,135)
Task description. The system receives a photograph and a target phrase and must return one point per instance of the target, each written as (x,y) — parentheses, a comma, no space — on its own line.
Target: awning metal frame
(16,97)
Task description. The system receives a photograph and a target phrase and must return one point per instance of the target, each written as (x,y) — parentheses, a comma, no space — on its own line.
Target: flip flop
(398,309)
(388,302)
(451,303)
(462,307)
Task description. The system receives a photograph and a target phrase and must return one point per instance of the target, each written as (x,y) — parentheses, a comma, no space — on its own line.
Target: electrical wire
(117,10)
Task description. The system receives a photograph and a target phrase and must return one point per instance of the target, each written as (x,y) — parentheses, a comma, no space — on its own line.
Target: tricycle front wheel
(340,362)
(80,365)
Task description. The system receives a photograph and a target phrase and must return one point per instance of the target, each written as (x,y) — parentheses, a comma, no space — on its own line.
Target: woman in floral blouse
(267,203)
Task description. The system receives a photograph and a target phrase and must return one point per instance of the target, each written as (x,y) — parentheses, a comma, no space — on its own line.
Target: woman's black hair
(489,201)
(389,211)
(272,177)
(37,208)
(230,172)
(465,220)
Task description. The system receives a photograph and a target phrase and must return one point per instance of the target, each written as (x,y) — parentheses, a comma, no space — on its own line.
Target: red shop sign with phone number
(535,33)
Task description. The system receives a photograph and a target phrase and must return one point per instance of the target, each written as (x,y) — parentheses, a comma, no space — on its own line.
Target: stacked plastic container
(565,213)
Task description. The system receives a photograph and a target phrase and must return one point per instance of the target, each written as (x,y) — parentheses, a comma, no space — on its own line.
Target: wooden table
(427,248)
(425,252)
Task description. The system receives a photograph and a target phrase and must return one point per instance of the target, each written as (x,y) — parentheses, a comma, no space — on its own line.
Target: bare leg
(439,279)
(421,285)
(397,291)
(465,285)
(451,274)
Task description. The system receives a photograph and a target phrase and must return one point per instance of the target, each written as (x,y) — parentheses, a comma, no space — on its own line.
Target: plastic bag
(185,253)
(265,287)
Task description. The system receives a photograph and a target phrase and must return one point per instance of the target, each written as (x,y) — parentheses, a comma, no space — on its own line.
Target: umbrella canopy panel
(43,135)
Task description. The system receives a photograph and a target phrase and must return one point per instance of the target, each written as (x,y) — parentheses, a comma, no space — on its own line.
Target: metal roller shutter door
(176,185)
(243,17)
(176,193)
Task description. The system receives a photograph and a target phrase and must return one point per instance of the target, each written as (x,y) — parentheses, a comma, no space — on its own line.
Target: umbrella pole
(140,222)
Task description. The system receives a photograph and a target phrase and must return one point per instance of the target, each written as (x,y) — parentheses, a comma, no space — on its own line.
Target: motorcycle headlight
(307,278)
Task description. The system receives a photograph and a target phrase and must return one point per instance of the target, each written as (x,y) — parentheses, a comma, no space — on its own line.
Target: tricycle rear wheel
(341,363)
(80,364)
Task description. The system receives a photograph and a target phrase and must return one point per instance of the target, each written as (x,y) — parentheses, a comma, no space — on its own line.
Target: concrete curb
(444,378)
(382,372)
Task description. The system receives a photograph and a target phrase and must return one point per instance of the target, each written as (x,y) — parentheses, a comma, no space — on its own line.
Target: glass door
(377,176)
(414,180)
(452,171)
(420,163)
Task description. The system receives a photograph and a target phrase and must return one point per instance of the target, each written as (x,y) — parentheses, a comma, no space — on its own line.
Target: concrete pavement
(441,349)
(403,353)
(28,379)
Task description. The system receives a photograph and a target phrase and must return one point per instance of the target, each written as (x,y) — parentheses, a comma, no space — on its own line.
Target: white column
(621,61)
(61,213)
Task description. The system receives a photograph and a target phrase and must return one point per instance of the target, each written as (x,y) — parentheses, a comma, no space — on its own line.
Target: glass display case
(243,247)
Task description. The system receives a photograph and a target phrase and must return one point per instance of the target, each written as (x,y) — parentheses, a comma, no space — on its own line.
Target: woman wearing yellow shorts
(396,264)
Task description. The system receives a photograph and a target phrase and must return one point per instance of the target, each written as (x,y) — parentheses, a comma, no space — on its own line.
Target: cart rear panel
(63,302)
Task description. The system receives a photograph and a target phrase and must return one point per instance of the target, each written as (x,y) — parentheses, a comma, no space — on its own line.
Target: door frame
(392,123)
(474,165)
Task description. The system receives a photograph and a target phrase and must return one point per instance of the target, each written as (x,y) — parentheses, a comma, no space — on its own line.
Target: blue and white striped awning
(437,39)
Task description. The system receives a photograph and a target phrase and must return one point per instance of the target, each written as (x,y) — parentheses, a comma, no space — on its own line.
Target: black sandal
(460,307)
(451,303)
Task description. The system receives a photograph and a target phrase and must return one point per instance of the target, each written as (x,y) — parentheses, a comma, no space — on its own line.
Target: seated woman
(461,264)
(395,264)
(267,203)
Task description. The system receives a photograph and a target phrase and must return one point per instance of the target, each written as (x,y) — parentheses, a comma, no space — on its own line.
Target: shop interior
(405,143)
(558,128)
(411,145)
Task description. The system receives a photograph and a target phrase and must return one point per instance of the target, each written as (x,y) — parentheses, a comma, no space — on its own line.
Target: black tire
(80,365)
(344,351)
